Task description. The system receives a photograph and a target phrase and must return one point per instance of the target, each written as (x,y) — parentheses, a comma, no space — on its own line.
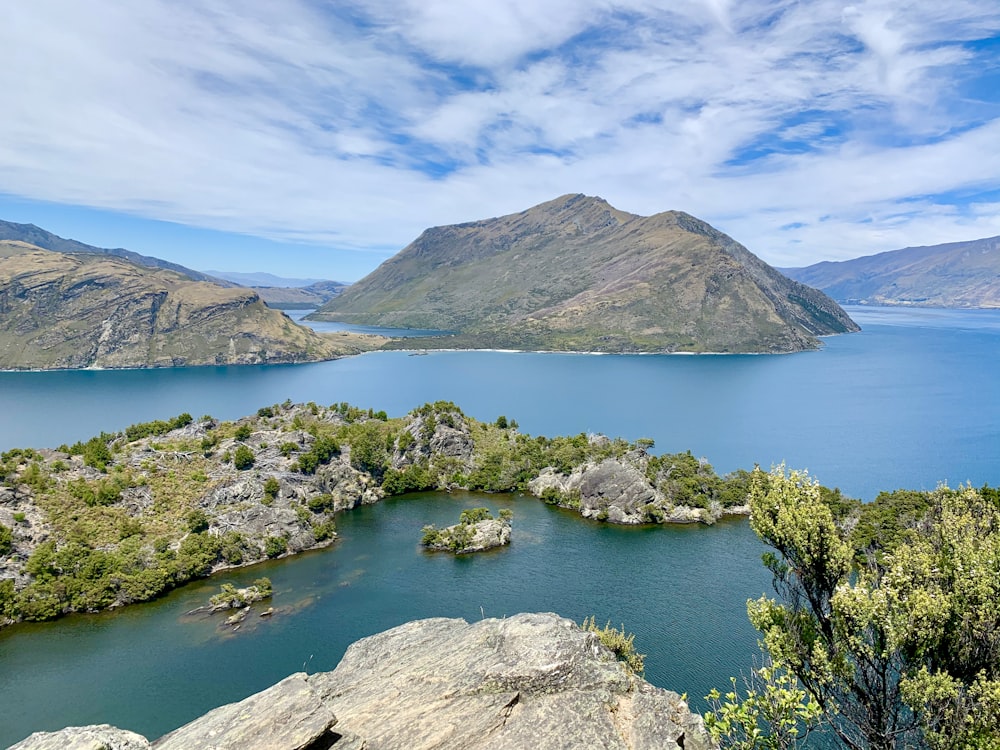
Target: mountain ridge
(578,274)
(83,310)
(42,238)
(954,274)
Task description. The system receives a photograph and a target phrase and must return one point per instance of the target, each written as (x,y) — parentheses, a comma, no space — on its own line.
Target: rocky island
(531,680)
(476,531)
(577,274)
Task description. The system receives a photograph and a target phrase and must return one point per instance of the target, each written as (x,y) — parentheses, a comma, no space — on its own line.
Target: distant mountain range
(577,274)
(956,274)
(261,278)
(286,293)
(39,237)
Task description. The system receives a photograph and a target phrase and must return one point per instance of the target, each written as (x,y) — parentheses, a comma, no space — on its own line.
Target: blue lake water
(911,401)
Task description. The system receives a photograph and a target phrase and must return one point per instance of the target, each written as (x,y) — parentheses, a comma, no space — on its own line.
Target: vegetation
(459,538)
(622,644)
(230,597)
(893,637)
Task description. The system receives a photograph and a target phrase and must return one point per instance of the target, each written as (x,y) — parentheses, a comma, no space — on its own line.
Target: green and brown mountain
(576,274)
(79,310)
(956,274)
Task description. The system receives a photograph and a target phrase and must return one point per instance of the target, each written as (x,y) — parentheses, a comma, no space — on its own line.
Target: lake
(910,402)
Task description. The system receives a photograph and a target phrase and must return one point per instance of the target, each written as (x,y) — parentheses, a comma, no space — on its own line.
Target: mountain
(60,310)
(38,237)
(300,298)
(577,274)
(956,274)
(262,278)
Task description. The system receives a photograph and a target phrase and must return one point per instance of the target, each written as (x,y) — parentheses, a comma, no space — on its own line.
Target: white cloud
(357,126)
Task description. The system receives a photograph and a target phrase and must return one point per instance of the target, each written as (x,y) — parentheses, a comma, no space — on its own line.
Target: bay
(910,401)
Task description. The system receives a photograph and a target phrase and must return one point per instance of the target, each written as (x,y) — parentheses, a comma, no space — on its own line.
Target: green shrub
(320,503)
(320,452)
(243,432)
(275,546)
(6,540)
(622,644)
(243,458)
(325,530)
(271,487)
(197,521)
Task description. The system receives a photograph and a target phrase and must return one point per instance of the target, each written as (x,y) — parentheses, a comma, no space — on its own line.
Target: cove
(150,668)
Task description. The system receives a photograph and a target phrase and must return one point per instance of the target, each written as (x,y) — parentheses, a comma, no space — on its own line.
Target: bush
(320,452)
(275,546)
(243,458)
(6,540)
(622,644)
(271,488)
(243,432)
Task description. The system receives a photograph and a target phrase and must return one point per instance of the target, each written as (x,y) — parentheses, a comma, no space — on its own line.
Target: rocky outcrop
(94,737)
(62,311)
(531,680)
(465,538)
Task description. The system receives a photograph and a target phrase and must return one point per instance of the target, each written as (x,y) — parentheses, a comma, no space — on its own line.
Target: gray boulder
(94,737)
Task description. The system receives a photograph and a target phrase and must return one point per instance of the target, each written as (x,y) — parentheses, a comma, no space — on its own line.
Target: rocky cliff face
(577,274)
(74,311)
(531,680)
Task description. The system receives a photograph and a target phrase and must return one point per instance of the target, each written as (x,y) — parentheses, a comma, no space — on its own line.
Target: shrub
(622,644)
(275,546)
(271,488)
(6,540)
(243,458)
(243,432)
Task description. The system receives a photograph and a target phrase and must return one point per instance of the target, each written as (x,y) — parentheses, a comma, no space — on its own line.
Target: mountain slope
(39,237)
(577,274)
(956,274)
(61,310)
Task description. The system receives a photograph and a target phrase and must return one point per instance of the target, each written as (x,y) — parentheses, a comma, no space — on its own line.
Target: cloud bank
(807,130)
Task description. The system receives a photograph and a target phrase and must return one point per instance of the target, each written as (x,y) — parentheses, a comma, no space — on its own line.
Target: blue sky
(311,138)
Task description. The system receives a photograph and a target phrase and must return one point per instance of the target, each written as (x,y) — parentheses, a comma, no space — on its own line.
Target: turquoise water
(150,668)
(911,401)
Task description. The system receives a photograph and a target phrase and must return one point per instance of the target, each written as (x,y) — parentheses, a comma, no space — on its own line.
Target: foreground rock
(532,680)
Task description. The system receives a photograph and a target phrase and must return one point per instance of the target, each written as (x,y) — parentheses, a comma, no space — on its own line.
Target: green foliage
(501,422)
(271,487)
(20,517)
(197,521)
(243,432)
(95,451)
(265,412)
(157,427)
(889,521)
(773,712)
(621,644)
(320,452)
(243,457)
(275,546)
(324,530)
(6,540)
(474,515)
(101,492)
(904,649)
(506,514)
(320,503)
(370,442)
(414,478)
(288,448)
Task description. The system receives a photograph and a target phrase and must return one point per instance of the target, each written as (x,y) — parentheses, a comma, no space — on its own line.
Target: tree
(902,650)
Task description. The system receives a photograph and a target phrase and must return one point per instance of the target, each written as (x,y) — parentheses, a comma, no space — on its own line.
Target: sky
(317,138)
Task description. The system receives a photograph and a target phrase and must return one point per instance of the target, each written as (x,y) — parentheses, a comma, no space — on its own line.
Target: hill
(300,298)
(576,274)
(39,237)
(60,310)
(956,274)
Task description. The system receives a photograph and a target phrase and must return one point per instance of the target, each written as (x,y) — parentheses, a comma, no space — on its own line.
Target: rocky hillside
(577,274)
(61,310)
(957,274)
(531,680)
(39,237)
(123,517)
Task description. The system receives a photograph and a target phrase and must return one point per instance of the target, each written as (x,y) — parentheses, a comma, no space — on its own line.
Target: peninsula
(577,274)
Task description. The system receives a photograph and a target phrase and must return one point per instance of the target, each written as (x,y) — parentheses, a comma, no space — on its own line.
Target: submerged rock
(531,680)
